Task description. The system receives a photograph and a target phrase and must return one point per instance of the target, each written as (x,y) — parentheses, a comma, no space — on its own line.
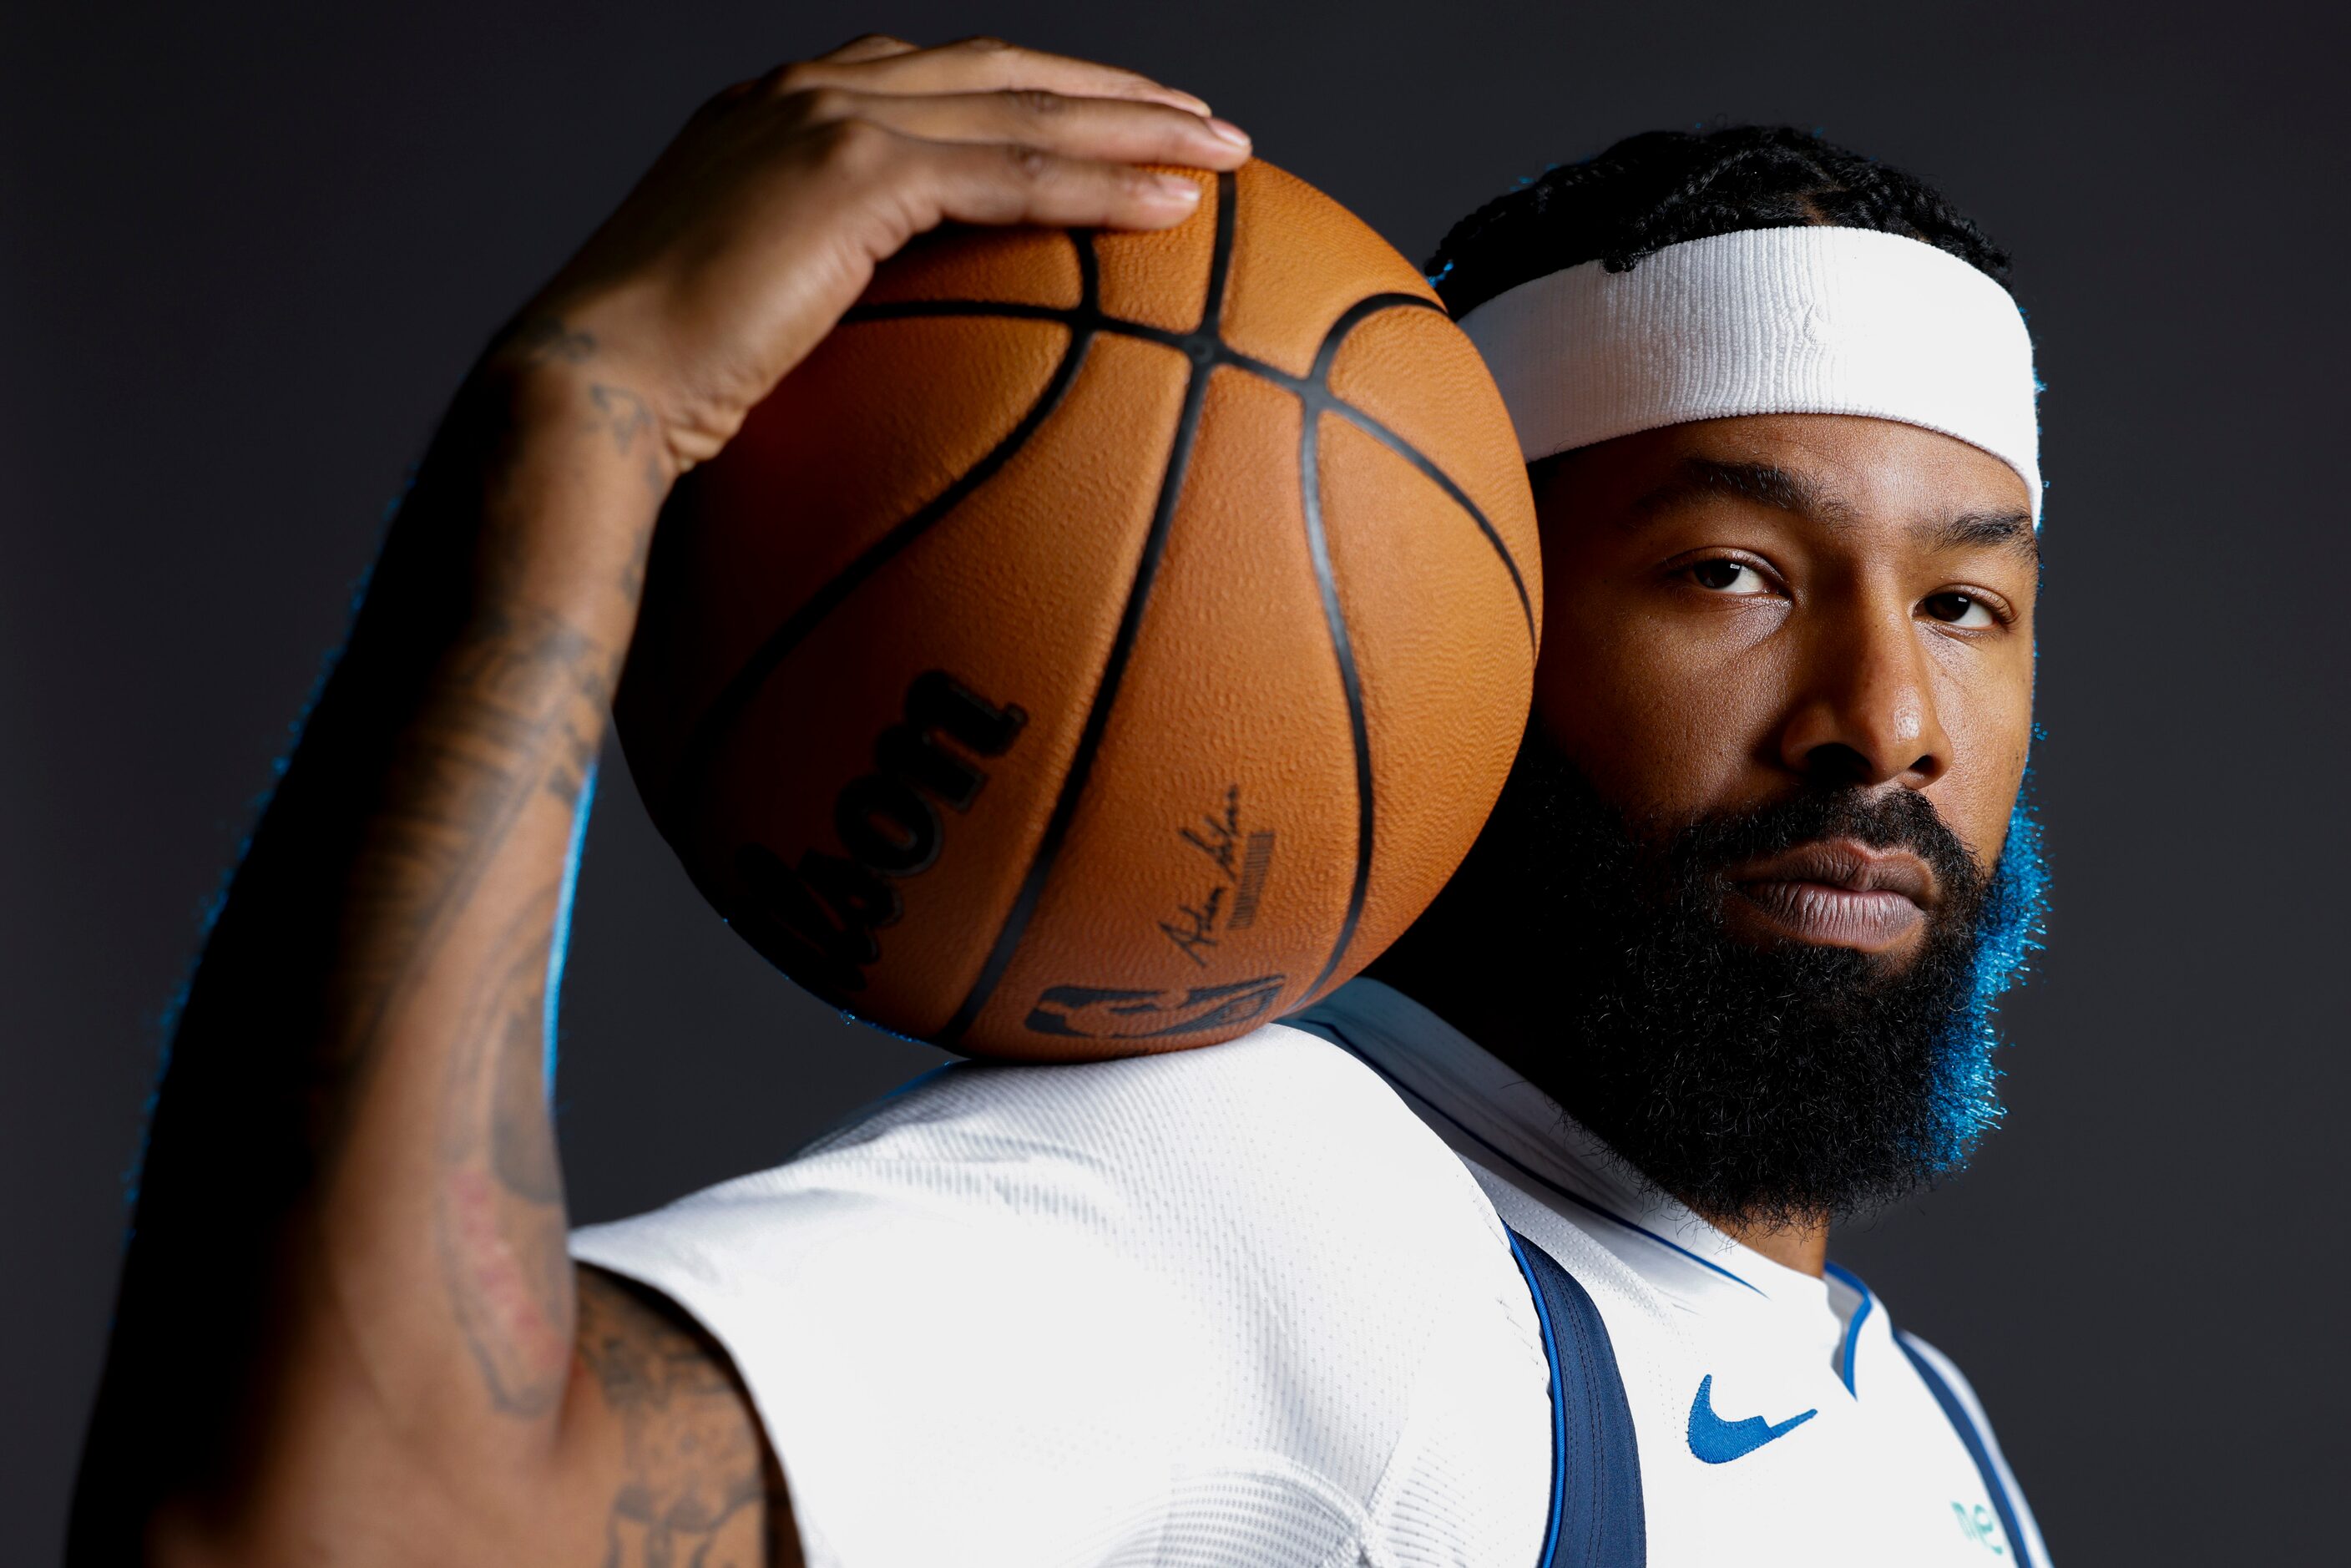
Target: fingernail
(1176,188)
(1226,131)
(1186,100)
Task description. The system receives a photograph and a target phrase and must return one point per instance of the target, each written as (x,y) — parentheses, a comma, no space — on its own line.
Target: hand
(763,222)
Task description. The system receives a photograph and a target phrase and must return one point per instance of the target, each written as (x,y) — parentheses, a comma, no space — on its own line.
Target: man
(1351,1290)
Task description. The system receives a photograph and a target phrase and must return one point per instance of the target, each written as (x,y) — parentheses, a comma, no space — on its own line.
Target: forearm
(351,1210)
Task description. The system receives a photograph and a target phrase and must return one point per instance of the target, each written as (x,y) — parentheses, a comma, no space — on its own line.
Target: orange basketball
(1104,643)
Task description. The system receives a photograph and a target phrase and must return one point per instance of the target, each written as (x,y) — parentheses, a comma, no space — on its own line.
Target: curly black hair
(1663,187)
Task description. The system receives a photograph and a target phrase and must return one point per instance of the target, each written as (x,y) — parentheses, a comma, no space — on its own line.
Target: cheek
(1989,722)
(1657,720)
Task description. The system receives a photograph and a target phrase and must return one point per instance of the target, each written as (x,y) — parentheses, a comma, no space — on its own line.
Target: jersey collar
(1494,1118)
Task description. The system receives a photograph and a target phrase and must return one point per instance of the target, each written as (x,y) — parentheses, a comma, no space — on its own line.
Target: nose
(1865,710)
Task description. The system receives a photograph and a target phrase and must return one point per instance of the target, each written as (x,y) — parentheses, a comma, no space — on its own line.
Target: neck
(1449,990)
(1801,1245)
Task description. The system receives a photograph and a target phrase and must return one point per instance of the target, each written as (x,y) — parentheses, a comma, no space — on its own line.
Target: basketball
(1102,642)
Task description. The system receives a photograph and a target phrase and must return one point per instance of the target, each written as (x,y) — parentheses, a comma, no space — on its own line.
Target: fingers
(871,46)
(978,65)
(977,183)
(1116,130)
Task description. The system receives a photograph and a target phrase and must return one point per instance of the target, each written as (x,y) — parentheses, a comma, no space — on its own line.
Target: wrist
(598,358)
(592,412)
(525,502)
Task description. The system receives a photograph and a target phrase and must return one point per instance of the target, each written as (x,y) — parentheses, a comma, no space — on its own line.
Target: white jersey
(1258,1304)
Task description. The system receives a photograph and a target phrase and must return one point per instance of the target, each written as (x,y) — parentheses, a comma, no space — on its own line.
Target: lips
(1836,892)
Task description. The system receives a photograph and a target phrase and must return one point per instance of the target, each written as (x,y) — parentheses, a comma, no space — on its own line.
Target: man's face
(1742,612)
(1751,873)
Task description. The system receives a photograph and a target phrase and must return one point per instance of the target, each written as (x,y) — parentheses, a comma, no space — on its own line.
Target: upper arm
(657,1460)
(664,1458)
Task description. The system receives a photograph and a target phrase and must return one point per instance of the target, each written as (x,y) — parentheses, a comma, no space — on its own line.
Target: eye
(1964,611)
(1725,576)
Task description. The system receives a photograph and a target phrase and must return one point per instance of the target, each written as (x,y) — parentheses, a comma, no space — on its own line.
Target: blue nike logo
(1718,1441)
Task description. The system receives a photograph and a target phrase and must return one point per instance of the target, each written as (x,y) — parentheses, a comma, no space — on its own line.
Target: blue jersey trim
(1557,1412)
(1977,1449)
(1853,1328)
(1598,1517)
(1338,1037)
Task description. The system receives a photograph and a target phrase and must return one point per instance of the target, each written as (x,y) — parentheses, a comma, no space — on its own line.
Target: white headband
(1788,321)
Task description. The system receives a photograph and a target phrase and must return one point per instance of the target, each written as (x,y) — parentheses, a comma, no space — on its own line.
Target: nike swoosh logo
(1718,1441)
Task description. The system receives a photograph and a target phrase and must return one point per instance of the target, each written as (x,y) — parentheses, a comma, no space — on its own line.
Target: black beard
(1761,1086)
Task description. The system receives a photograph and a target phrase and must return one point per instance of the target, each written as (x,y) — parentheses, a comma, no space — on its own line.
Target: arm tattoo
(620,413)
(628,420)
(456,790)
(499,1215)
(545,339)
(510,720)
(625,414)
(380,968)
(698,1485)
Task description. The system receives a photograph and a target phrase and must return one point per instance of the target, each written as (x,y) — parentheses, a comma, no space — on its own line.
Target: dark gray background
(247,251)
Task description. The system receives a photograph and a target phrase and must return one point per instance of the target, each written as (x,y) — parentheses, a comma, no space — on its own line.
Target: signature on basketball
(1241,862)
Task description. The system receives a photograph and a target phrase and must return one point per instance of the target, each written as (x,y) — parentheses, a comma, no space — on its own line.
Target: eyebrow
(1977,530)
(1784,490)
(1765,483)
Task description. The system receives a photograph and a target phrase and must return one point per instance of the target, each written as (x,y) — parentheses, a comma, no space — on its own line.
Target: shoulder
(1171,1099)
(1247,1266)
(1275,1164)
(1264,1130)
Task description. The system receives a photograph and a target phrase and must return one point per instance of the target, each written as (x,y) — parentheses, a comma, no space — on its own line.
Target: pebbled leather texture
(1251,599)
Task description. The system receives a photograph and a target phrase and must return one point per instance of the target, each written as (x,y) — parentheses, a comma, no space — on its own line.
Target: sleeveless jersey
(1341,1293)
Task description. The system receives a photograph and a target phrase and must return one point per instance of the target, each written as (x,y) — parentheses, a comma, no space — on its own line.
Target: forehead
(1839,468)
